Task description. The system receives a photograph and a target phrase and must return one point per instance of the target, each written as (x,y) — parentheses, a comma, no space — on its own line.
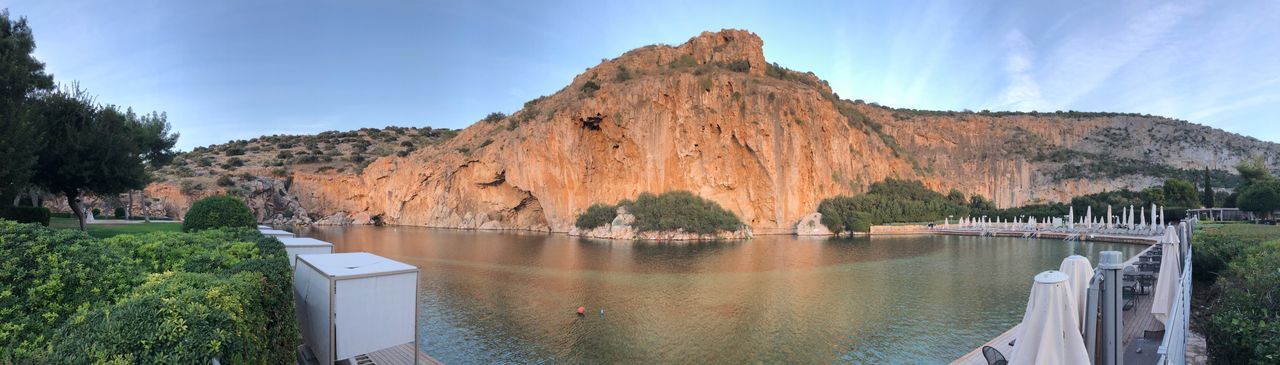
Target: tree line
(59,139)
(910,201)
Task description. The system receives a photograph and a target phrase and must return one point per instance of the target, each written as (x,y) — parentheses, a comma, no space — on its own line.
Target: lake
(491,297)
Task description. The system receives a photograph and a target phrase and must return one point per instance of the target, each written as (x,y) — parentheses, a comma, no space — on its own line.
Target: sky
(226,70)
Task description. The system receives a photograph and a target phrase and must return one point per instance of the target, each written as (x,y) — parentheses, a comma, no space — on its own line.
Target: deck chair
(994,357)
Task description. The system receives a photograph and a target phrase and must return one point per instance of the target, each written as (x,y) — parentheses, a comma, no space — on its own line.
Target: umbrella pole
(1112,329)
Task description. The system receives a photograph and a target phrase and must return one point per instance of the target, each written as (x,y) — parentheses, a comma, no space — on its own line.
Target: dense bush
(740,66)
(596,215)
(889,201)
(218,211)
(680,210)
(48,275)
(154,298)
(119,213)
(25,214)
(1242,320)
(669,211)
(225,181)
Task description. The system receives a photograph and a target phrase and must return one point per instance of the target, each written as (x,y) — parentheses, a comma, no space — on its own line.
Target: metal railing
(1173,349)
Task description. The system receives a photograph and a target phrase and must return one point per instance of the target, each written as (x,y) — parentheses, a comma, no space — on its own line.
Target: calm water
(510,298)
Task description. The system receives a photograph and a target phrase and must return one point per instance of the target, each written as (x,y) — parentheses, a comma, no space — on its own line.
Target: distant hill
(713,117)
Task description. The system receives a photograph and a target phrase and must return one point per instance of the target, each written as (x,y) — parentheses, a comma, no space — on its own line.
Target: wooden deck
(1135,321)
(399,355)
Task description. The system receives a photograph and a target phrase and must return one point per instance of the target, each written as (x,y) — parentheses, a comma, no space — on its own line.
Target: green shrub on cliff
(596,215)
(680,210)
(889,201)
(669,211)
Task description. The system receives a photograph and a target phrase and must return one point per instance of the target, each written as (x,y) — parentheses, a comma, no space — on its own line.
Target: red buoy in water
(582,310)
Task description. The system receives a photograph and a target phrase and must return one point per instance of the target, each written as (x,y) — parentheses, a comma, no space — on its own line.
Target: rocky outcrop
(811,225)
(712,117)
(621,229)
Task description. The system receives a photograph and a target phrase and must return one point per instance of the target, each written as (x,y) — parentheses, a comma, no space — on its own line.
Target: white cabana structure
(1079,272)
(295,246)
(1049,331)
(275,232)
(351,304)
(1167,280)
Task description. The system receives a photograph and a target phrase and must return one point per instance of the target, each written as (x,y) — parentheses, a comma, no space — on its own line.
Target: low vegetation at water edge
(669,211)
(180,298)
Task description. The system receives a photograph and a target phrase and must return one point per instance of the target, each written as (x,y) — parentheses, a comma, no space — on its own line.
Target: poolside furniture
(295,246)
(1162,300)
(351,304)
(1049,331)
(993,356)
(275,232)
(1129,295)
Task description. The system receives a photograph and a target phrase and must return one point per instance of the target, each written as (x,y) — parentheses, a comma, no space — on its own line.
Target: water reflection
(502,297)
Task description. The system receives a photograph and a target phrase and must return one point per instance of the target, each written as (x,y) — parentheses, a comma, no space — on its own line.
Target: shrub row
(25,214)
(1241,322)
(156,298)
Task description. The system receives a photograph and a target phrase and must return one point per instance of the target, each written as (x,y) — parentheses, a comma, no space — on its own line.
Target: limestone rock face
(811,225)
(712,117)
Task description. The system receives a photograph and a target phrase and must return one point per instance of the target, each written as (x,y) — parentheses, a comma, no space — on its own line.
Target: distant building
(1221,214)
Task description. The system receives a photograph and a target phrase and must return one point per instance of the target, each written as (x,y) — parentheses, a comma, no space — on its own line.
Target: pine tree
(1207,197)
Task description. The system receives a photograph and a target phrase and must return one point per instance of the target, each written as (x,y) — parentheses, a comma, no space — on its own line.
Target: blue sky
(238,69)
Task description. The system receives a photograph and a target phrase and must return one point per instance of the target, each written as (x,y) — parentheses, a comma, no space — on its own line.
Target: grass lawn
(108,230)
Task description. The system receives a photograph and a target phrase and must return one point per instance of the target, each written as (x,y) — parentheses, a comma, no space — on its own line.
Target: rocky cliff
(713,117)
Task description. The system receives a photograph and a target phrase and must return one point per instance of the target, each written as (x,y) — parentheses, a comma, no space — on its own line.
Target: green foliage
(153,298)
(680,210)
(225,181)
(623,74)
(889,201)
(170,319)
(685,61)
(589,88)
(494,117)
(1208,198)
(218,211)
(119,213)
(1182,193)
(1253,170)
(25,214)
(596,215)
(739,66)
(97,212)
(1260,197)
(22,75)
(1241,323)
(49,275)
(669,211)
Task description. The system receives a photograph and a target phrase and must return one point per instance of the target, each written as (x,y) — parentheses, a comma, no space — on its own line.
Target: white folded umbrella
(1167,280)
(1048,333)
(1079,273)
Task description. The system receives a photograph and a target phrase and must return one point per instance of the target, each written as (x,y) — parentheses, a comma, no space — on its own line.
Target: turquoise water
(490,297)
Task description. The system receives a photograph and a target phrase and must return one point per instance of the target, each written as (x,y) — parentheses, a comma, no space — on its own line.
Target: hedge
(596,215)
(155,298)
(1241,323)
(218,211)
(25,214)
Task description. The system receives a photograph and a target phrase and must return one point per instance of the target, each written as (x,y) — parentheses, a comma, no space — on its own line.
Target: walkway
(1135,320)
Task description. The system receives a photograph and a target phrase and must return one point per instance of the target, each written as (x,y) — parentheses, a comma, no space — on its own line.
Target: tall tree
(1207,197)
(93,148)
(1180,193)
(21,75)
